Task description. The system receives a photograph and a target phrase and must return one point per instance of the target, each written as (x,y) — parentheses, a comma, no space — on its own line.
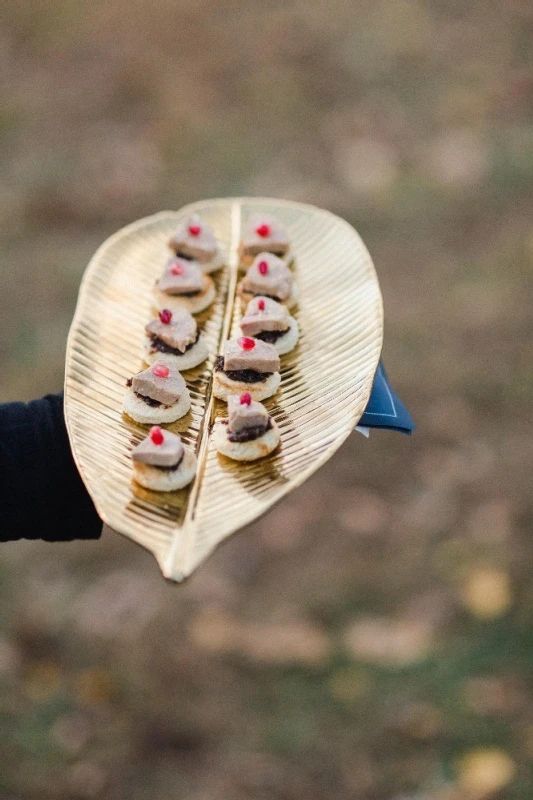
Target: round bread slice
(247,296)
(246,451)
(224,386)
(194,303)
(163,480)
(141,412)
(289,340)
(187,360)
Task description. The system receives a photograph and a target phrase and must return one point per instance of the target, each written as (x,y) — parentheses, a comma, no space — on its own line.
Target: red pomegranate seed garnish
(165,316)
(263,230)
(262,267)
(156,435)
(176,269)
(245,399)
(261,304)
(246,343)
(161,370)
(194,230)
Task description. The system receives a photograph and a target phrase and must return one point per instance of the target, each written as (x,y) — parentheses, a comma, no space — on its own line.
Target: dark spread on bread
(170,469)
(149,401)
(271,336)
(184,294)
(158,346)
(263,294)
(249,434)
(244,375)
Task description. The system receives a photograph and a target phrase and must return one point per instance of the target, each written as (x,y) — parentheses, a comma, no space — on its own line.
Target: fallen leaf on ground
(394,643)
(485,771)
(486,592)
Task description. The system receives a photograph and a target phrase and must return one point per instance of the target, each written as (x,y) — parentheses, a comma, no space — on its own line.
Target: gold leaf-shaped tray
(326,380)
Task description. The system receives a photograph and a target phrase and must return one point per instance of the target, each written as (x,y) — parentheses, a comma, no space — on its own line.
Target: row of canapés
(247,371)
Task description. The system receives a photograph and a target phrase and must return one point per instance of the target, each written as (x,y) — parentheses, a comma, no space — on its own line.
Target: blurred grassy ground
(372,638)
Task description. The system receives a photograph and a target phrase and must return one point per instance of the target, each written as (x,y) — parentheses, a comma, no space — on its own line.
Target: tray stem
(179,563)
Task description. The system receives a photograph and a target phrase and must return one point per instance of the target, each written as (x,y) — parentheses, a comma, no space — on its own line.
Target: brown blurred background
(372,637)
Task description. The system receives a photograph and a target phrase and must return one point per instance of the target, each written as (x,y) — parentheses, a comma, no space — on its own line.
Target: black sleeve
(42,494)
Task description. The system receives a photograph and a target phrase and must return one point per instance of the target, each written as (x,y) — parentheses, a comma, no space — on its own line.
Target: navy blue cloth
(42,494)
(384,408)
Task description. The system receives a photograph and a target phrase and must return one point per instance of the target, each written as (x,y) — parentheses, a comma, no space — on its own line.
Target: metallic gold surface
(326,380)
